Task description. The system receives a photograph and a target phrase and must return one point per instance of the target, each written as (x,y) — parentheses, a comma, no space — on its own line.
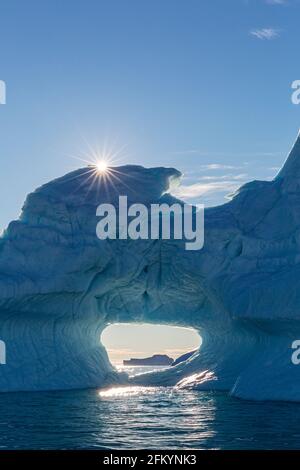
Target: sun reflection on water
(127,391)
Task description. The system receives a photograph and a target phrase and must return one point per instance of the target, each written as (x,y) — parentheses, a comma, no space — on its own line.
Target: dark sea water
(142,417)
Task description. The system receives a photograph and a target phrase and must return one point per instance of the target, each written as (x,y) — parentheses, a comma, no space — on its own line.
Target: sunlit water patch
(144,417)
(137,370)
(129,391)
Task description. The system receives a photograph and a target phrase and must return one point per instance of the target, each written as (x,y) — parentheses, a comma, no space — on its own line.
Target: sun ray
(102,170)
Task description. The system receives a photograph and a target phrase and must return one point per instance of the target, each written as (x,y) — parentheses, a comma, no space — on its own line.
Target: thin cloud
(276,2)
(219,166)
(214,187)
(275,168)
(213,154)
(266,34)
(241,177)
(196,190)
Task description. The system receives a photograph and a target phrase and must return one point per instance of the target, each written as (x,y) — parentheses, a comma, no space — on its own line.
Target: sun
(101,166)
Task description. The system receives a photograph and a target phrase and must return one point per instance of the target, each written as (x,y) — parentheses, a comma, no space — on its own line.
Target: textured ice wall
(249,273)
(60,286)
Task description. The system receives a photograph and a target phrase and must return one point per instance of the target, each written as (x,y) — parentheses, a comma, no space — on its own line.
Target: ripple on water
(144,417)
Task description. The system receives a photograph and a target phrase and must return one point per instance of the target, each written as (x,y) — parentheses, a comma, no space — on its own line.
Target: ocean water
(144,417)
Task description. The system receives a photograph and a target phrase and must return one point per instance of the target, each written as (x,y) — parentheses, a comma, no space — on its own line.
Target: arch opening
(149,345)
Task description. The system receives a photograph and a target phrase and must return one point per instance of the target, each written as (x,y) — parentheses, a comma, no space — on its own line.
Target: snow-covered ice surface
(60,286)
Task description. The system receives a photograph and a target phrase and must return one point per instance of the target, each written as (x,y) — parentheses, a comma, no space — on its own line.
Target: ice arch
(60,285)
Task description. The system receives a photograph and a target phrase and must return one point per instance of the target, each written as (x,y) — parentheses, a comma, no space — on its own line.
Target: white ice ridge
(60,286)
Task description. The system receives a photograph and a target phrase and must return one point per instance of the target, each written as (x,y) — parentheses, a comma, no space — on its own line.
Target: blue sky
(181,83)
(204,86)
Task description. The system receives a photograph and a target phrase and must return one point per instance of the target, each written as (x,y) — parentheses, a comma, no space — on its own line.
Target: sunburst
(102,167)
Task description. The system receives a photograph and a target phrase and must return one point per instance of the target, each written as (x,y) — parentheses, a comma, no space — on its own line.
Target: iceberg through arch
(60,286)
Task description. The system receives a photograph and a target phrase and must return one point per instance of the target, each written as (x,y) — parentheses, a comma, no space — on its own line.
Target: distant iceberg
(60,286)
(155,360)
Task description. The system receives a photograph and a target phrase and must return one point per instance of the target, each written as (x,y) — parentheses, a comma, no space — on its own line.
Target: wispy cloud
(196,190)
(275,168)
(228,155)
(214,188)
(265,33)
(219,166)
(221,173)
(241,177)
(276,2)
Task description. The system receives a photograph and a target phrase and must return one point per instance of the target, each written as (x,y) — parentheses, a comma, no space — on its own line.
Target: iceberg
(155,360)
(60,286)
(183,357)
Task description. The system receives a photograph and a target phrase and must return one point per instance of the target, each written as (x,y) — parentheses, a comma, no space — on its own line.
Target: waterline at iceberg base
(60,286)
